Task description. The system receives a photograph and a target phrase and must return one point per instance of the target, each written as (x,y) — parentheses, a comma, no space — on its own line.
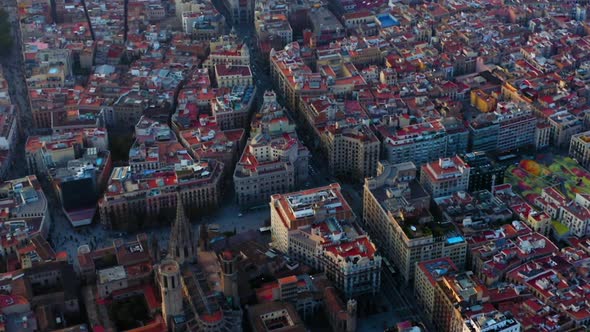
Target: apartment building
(274,160)
(445,176)
(508,127)
(343,251)
(428,274)
(293,210)
(517,126)
(352,152)
(493,321)
(318,227)
(580,148)
(563,126)
(228,76)
(396,215)
(293,78)
(455,295)
(44,152)
(231,110)
(133,196)
(211,143)
(227,50)
(419,143)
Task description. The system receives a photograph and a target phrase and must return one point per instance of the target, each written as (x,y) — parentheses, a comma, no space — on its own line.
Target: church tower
(182,246)
(229,276)
(351,309)
(170,288)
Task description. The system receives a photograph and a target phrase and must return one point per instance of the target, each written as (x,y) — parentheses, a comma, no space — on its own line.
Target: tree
(6,40)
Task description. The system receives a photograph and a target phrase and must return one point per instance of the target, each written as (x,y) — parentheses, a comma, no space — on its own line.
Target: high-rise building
(293,210)
(428,273)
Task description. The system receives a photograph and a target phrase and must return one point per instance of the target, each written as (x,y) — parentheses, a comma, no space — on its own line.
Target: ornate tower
(182,246)
(229,276)
(170,288)
(351,308)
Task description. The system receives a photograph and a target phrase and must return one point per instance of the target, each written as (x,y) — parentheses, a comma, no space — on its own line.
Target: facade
(542,135)
(395,213)
(456,294)
(428,273)
(483,136)
(227,50)
(580,148)
(445,176)
(79,184)
(419,143)
(228,76)
(342,251)
(517,126)
(563,126)
(352,152)
(484,172)
(133,196)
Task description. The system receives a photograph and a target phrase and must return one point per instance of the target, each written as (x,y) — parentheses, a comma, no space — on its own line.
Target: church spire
(182,246)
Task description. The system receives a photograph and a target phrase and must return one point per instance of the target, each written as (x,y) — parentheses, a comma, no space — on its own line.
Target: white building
(493,321)
(445,176)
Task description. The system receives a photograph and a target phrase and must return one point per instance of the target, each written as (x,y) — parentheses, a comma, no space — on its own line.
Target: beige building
(293,210)
(352,152)
(227,50)
(445,176)
(228,76)
(396,215)
(580,148)
(317,227)
(343,251)
(428,273)
(454,296)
